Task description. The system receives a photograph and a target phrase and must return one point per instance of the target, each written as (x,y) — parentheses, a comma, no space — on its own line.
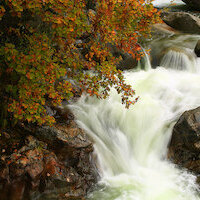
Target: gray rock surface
(162,30)
(182,21)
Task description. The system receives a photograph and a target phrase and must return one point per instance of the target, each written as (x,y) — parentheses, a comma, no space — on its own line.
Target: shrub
(49,46)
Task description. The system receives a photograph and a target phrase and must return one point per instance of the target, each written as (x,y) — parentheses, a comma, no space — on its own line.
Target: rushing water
(131,144)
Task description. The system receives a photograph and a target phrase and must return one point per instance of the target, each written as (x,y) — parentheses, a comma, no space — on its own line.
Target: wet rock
(48,163)
(21,168)
(16,191)
(77,195)
(184,147)
(197,49)
(128,63)
(195,4)
(63,136)
(182,21)
(162,30)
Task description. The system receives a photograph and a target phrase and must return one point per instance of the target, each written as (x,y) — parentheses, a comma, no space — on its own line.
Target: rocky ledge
(184,148)
(46,163)
(182,21)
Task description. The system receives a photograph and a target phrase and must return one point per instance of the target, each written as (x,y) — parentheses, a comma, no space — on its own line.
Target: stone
(63,136)
(195,4)
(197,49)
(182,21)
(47,163)
(127,62)
(184,147)
(162,30)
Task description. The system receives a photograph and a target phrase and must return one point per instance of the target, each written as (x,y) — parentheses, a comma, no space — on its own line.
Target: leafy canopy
(48,46)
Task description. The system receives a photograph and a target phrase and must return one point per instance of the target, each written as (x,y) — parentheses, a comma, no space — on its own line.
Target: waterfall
(131,144)
(144,62)
(180,60)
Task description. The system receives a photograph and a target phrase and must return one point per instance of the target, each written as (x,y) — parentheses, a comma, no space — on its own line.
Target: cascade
(131,144)
(144,63)
(180,60)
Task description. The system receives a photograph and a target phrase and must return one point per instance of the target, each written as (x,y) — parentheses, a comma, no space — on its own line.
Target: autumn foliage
(49,48)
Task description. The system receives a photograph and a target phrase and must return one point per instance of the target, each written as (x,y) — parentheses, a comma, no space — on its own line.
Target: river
(131,144)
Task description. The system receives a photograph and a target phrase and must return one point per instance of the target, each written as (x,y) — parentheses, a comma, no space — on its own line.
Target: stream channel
(131,144)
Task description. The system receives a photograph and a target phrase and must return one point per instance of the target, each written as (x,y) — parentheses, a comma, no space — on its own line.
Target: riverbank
(46,162)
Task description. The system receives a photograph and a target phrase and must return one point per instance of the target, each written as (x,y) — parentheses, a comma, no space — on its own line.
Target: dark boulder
(197,49)
(182,21)
(128,63)
(184,148)
(195,4)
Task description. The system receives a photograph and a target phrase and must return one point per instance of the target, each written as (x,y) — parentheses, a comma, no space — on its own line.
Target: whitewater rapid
(131,144)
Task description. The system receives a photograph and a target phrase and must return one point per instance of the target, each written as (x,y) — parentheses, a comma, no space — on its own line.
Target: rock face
(127,62)
(195,4)
(162,30)
(197,49)
(182,21)
(47,163)
(184,148)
